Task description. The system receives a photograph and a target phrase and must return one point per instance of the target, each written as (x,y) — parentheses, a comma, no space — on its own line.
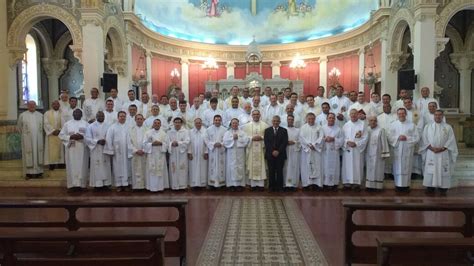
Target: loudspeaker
(406,79)
(109,81)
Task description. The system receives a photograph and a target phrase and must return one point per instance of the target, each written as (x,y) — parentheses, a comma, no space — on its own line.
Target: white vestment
(30,125)
(235,157)
(331,155)
(353,158)
(198,165)
(209,116)
(138,162)
(403,151)
(164,122)
(91,107)
(272,111)
(117,146)
(53,147)
(438,167)
(385,121)
(178,168)
(127,103)
(291,169)
(77,156)
(118,104)
(156,168)
(66,115)
(322,119)
(311,161)
(340,105)
(422,104)
(216,156)
(377,151)
(255,155)
(110,118)
(100,167)
(231,113)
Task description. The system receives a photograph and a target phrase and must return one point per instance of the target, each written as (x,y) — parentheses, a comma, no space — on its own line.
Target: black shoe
(52,167)
(356,188)
(232,189)
(443,191)
(430,191)
(346,188)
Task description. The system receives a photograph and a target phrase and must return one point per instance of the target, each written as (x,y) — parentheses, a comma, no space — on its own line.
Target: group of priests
(318,143)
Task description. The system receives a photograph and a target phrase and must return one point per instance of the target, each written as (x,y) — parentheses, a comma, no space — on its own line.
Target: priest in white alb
(198,155)
(100,167)
(440,152)
(333,141)
(92,105)
(156,145)
(376,153)
(77,156)
(116,145)
(291,169)
(137,153)
(403,137)
(235,141)
(178,149)
(53,147)
(355,142)
(216,150)
(255,153)
(311,137)
(30,125)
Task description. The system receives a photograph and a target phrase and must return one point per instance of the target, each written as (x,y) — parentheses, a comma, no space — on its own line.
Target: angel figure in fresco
(213,8)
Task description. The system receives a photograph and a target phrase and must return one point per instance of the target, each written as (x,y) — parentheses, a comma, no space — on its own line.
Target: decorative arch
(453,7)
(455,39)
(115,30)
(469,43)
(25,20)
(403,19)
(43,38)
(62,44)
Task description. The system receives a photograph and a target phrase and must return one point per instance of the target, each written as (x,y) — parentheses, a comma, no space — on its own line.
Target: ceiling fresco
(237,22)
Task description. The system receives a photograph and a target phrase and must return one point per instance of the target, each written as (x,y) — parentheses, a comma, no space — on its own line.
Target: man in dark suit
(276,139)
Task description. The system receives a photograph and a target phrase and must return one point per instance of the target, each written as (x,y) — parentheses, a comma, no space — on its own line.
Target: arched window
(29,74)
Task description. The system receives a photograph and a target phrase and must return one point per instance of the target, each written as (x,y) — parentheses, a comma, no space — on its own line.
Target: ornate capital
(394,61)
(323,59)
(118,65)
(276,64)
(361,51)
(16,55)
(184,61)
(149,54)
(425,9)
(230,64)
(77,50)
(440,45)
(54,67)
(462,61)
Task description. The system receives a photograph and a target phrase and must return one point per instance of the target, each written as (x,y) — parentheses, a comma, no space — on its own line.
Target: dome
(235,22)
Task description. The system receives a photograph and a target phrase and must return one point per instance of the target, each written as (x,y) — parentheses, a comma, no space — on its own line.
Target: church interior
(190,48)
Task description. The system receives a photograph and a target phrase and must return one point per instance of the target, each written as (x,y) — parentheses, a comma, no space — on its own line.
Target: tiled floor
(322,210)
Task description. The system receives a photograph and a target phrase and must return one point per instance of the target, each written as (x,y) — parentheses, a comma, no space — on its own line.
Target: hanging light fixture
(210,65)
(297,63)
(140,78)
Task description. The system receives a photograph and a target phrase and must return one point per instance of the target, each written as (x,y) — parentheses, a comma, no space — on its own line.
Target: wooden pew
(154,237)
(175,248)
(424,251)
(368,254)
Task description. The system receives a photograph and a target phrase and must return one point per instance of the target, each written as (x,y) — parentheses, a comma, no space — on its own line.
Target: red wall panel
(240,71)
(310,75)
(161,68)
(199,76)
(348,65)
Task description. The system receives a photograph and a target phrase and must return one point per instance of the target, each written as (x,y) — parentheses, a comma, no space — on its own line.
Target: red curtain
(348,65)
(240,71)
(199,76)
(161,68)
(310,75)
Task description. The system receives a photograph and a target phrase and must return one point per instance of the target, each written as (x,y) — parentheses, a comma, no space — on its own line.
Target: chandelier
(334,75)
(369,77)
(175,76)
(210,65)
(297,63)
(139,78)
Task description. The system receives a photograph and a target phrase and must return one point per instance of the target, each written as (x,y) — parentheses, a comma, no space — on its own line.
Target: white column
(185,78)
(276,68)
(92,53)
(8,90)
(424,46)
(323,72)
(462,62)
(361,68)
(54,68)
(390,63)
(230,67)
(124,82)
(149,87)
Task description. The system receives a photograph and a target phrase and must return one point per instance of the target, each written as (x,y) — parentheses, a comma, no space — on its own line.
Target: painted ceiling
(237,22)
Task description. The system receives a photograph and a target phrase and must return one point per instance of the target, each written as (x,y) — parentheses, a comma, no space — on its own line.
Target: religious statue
(213,8)
(292,7)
